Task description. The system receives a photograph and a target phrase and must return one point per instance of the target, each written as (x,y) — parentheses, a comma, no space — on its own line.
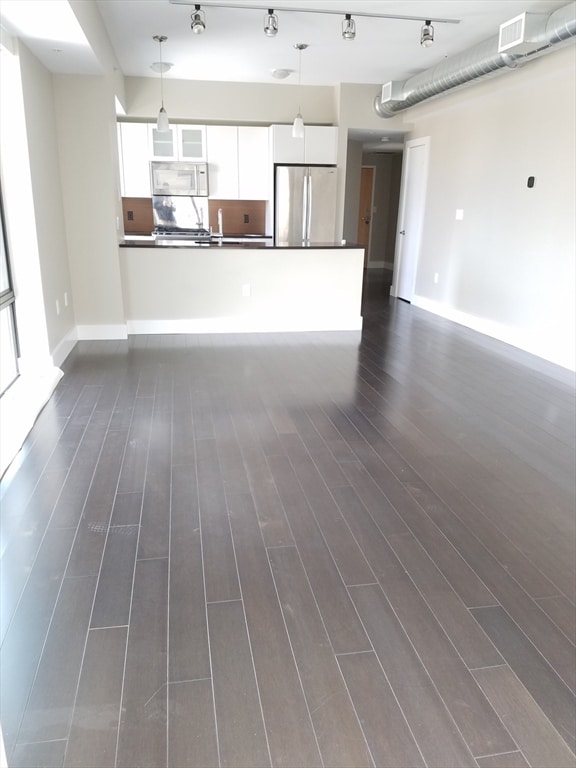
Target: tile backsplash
(239,217)
(137,214)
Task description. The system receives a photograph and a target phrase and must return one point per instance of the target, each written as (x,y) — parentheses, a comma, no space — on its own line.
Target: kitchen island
(242,286)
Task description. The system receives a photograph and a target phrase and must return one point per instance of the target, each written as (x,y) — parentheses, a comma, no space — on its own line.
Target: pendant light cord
(299,79)
(161,76)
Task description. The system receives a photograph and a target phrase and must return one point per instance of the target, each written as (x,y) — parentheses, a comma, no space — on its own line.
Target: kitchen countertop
(143,241)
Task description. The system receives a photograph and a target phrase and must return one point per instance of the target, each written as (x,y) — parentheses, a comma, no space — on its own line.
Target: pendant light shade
(298,127)
(298,124)
(162,123)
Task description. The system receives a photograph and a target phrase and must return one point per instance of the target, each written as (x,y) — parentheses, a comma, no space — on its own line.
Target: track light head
(271,23)
(348,27)
(427,34)
(198,23)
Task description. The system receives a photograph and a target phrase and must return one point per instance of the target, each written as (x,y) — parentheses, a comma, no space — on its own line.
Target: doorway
(410,218)
(365,207)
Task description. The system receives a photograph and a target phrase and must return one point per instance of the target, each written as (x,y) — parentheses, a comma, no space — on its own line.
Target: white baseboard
(19,407)
(516,337)
(380,265)
(245,325)
(101,332)
(64,348)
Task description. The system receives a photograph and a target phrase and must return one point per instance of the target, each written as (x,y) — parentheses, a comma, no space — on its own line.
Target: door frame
(368,250)
(416,217)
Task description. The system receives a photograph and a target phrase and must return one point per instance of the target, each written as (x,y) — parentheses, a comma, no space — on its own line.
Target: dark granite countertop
(251,243)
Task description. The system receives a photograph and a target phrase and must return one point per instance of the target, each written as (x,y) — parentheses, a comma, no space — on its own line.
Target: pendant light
(298,124)
(162,123)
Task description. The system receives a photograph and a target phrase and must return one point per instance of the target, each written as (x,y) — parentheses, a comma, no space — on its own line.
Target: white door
(410,217)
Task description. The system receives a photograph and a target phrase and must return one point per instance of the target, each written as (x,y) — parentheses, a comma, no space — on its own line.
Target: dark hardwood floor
(316,549)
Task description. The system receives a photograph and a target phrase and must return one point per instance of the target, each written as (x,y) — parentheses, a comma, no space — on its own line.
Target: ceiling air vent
(521,34)
(391,91)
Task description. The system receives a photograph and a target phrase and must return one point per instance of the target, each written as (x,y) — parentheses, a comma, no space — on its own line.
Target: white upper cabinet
(319,145)
(163,144)
(191,142)
(222,145)
(286,149)
(238,157)
(238,162)
(134,163)
(253,163)
(180,142)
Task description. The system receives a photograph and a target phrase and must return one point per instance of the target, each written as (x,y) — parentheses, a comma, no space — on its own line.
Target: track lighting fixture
(427,35)
(298,124)
(348,23)
(162,123)
(271,23)
(348,27)
(198,23)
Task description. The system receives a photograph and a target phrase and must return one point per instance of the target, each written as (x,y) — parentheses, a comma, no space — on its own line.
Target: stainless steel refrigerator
(304,204)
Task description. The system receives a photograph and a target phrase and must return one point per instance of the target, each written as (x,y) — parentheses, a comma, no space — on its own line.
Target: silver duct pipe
(479,61)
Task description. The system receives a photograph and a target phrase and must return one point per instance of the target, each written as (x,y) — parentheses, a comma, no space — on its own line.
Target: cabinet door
(321,144)
(135,166)
(222,150)
(253,163)
(286,149)
(191,142)
(163,144)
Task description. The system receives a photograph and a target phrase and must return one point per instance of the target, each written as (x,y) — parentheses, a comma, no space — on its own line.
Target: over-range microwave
(177,178)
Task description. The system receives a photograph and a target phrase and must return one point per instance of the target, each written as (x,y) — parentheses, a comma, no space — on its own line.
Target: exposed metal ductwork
(536,35)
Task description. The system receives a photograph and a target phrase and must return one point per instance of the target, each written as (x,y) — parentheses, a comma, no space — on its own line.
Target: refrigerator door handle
(309,208)
(305,230)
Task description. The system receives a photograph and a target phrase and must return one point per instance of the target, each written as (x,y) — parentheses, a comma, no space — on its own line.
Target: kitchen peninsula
(245,286)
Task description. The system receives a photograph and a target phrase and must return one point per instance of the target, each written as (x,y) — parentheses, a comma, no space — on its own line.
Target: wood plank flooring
(317,549)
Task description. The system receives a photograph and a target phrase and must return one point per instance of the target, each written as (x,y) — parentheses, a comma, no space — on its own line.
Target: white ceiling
(234,47)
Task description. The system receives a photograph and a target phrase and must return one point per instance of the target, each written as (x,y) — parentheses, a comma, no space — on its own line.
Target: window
(8,336)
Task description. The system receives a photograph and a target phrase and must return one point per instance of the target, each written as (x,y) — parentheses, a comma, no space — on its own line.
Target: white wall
(89,167)
(47,196)
(352,191)
(234,103)
(196,290)
(508,268)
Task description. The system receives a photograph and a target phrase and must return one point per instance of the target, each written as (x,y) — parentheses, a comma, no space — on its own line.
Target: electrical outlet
(246,218)
(246,289)
(459,214)
(436,277)
(57,307)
